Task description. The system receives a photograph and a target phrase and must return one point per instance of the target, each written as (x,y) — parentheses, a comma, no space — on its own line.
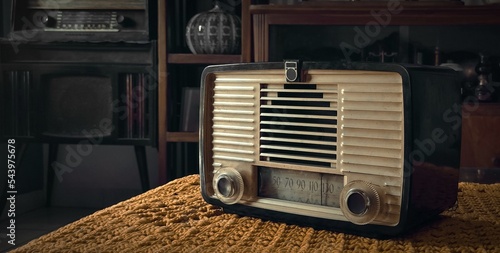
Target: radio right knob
(120,19)
(124,21)
(360,202)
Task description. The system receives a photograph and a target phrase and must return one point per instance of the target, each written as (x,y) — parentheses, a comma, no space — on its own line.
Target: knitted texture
(174,218)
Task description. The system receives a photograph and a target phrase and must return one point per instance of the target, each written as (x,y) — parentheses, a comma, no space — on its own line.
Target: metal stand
(142,164)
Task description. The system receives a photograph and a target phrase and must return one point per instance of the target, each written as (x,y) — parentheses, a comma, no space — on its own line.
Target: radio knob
(124,21)
(360,202)
(120,19)
(46,20)
(228,185)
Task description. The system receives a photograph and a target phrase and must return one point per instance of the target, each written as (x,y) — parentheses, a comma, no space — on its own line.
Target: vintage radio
(83,20)
(369,149)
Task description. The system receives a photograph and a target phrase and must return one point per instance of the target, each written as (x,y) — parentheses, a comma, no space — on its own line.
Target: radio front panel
(82,21)
(299,144)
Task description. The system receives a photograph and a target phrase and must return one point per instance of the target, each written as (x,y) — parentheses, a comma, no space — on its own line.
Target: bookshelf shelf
(203,58)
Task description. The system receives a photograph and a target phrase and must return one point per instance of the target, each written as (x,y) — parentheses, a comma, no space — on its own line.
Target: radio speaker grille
(234,122)
(298,124)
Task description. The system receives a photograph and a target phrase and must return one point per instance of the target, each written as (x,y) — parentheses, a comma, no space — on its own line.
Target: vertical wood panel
(162,92)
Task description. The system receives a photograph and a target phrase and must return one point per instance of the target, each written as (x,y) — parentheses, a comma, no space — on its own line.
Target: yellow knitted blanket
(174,218)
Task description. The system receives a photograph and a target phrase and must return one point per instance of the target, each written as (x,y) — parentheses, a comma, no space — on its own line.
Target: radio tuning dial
(360,202)
(46,20)
(120,19)
(228,185)
(124,21)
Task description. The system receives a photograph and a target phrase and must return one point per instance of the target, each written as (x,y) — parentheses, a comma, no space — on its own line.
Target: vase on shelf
(214,32)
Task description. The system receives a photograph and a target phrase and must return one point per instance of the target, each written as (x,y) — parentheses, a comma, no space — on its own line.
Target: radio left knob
(228,185)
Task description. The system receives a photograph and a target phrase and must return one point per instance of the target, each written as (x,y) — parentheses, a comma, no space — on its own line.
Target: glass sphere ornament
(214,32)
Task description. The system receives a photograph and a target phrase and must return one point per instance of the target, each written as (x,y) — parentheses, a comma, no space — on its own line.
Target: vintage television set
(363,148)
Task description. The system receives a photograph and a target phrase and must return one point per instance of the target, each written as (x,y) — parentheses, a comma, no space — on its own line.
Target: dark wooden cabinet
(367,22)
(480,157)
(480,136)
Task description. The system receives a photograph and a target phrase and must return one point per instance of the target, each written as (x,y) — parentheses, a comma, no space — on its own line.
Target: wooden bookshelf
(167,59)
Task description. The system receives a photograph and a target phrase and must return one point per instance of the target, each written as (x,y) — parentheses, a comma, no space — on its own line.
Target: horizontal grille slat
(232,127)
(369,88)
(239,104)
(234,158)
(369,78)
(373,124)
(373,115)
(370,133)
(367,169)
(370,151)
(237,151)
(372,142)
(222,119)
(235,143)
(308,150)
(372,161)
(298,124)
(236,96)
(320,134)
(298,158)
(300,141)
(301,116)
(299,99)
(372,106)
(225,111)
(296,107)
(299,91)
(233,135)
(234,88)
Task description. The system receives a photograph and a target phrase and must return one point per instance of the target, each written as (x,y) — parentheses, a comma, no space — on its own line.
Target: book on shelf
(190,107)
(136,103)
